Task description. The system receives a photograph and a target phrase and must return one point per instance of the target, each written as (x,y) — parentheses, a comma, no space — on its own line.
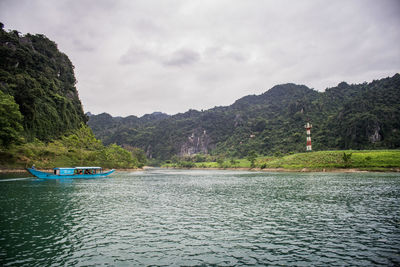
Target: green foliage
(252,158)
(220,160)
(41,80)
(117,157)
(78,148)
(347,158)
(199,158)
(10,121)
(363,116)
(82,138)
(139,154)
(233,162)
(370,160)
(364,160)
(186,164)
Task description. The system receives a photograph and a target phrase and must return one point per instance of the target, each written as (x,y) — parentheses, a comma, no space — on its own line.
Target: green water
(223,218)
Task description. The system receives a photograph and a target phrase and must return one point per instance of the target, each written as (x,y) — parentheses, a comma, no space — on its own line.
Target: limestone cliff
(198,142)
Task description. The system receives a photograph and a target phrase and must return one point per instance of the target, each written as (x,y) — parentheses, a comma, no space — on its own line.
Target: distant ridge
(357,116)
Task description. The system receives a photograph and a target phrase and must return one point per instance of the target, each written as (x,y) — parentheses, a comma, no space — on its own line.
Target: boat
(75,172)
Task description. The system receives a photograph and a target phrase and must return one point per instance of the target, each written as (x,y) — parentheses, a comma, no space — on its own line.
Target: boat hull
(46,175)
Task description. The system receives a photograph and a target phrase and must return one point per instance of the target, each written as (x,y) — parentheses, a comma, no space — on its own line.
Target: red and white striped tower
(308,127)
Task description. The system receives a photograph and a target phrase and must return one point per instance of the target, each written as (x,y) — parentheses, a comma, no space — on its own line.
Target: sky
(137,57)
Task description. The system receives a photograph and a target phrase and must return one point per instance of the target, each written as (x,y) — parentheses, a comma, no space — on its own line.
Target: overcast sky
(136,57)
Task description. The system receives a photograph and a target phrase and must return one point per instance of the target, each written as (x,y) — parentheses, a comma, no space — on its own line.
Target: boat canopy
(88,168)
(75,170)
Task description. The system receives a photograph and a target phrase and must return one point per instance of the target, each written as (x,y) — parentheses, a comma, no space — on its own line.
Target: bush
(233,162)
(252,158)
(186,164)
(220,160)
(263,166)
(347,159)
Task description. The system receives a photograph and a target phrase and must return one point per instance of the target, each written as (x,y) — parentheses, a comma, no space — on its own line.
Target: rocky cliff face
(374,134)
(198,142)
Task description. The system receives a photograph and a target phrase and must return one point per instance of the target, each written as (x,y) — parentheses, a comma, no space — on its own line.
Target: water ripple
(192,218)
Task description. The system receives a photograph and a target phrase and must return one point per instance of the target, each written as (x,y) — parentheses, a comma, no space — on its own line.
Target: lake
(202,217)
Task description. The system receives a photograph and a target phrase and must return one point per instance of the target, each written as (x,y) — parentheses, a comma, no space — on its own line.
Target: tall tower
(308,127)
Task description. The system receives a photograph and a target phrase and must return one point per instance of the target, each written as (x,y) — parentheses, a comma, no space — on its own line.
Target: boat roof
(88,168)
(73,168)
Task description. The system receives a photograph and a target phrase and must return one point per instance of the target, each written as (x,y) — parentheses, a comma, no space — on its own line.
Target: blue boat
(75,172)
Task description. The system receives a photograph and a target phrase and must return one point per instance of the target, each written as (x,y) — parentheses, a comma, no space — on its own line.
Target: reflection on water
(224,218)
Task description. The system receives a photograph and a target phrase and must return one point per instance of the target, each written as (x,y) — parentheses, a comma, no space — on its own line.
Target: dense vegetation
(78,149)
(41,81)
(41,117)
(10,121)
(369,160)
(359,116)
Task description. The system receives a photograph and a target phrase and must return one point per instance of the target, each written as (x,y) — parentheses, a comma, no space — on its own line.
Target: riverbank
(22,170)
(320,161)
(6,173)
(351,170)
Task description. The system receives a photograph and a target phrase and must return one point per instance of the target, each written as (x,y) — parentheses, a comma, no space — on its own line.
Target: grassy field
(369,160)
(363,160)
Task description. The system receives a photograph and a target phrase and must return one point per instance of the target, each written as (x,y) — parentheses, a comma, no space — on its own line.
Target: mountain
(357,116)
(40,80)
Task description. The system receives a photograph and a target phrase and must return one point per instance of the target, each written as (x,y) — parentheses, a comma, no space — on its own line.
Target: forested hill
(358,116)
(37,81)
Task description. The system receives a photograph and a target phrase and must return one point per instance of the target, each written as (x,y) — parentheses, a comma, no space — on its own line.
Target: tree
(347,159)
(233,162)
(220,160)
(138,154)
(82,138)
(117,157)
(252,158)
(10,121)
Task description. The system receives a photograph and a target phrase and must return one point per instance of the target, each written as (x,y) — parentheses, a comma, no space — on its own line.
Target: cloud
(138,56)
(182,57)
(82,46)
(225,53)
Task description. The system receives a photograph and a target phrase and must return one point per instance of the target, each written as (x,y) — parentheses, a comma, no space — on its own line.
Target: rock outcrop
(198,142)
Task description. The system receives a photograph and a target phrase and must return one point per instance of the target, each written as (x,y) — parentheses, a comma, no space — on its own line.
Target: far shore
(349,170)
(335,170)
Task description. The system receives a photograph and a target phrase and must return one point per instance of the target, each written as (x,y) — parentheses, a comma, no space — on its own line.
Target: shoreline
(334,170)
(22,170)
